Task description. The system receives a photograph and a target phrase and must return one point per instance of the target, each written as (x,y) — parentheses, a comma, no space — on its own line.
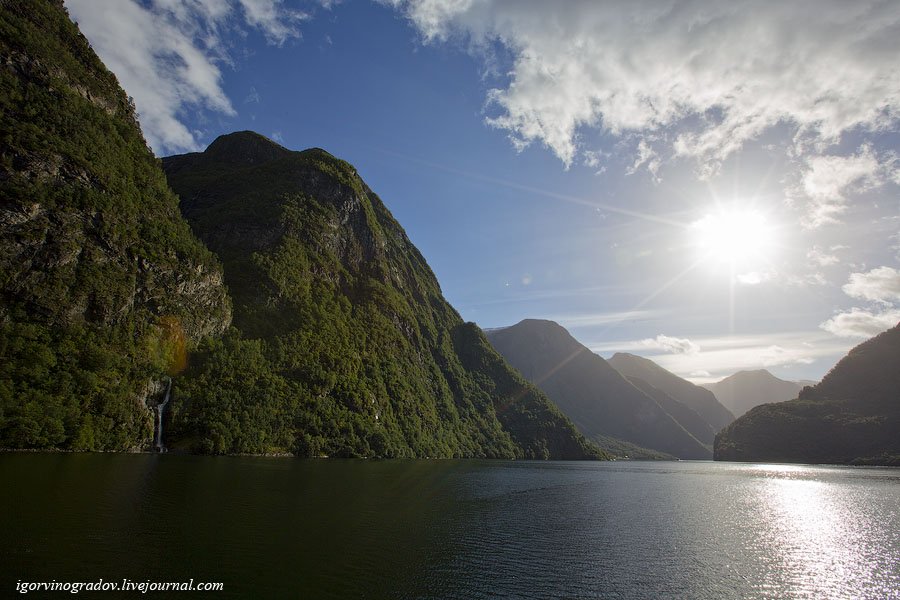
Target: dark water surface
(286,528)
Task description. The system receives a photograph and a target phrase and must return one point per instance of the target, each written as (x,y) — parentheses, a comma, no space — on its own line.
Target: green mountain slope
(745,389)
(700,400)
(343,344)
(852,416)
(102,283)
(599,400)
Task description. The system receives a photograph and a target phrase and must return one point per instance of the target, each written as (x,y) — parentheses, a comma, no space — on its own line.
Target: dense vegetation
(102,283)
(342,342)
(852,416)
(611,411)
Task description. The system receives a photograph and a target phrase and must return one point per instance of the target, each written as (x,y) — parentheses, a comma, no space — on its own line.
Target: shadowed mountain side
(343,344)
(595,396)
(686,417)
(745,389)
(852,416)
(103,287)
(701,400)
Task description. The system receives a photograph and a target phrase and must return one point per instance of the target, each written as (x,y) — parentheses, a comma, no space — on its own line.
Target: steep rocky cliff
(343,344)
(102,283)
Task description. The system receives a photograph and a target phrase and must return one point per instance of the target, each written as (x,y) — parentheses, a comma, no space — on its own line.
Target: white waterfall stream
(157,441)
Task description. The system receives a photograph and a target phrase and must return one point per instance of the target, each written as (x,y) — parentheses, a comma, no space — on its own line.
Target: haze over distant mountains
(745,389)
(601,401)
(701,400)
(852,416)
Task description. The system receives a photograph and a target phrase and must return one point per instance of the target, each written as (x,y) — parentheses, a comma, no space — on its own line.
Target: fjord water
(280,527)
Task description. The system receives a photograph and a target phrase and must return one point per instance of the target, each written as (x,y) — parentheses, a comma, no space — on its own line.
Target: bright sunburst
(736,237)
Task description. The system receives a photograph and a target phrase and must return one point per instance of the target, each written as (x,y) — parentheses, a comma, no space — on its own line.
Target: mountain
(103,286)
(688,418)
(599,400)
(851,416)
(745,389)
(342,343)
(694,397)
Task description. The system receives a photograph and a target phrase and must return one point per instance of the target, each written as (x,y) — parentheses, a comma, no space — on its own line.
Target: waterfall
(157,439)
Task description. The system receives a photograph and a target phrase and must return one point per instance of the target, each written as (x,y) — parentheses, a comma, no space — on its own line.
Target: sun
(736,237)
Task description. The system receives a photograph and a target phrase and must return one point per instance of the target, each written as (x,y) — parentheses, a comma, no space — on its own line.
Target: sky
(712,185)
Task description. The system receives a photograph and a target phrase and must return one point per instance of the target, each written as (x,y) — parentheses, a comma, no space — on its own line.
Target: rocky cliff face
(852,416)
(100,276)
(343,343)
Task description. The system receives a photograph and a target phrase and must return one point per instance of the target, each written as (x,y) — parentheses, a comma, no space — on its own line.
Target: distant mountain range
(701,400)
(600,400)
(852,416)
(746,389)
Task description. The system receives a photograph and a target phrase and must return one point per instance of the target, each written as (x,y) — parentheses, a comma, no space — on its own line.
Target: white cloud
(167,55)
(722,72)
(861,323)
(821,258)
(753,277)
(725,355)
(878,285)
(278,23)
(775,355)
(572,321)
(672,345)
(827,179)
(253,97)
(646,156)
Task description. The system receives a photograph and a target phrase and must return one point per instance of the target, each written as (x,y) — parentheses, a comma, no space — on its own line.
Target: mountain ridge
(700,400)
(343,322)
(747,389)
(600,401)
(851,417)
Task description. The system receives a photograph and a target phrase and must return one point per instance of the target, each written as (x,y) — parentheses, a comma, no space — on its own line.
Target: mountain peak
(245,147)
(746,389)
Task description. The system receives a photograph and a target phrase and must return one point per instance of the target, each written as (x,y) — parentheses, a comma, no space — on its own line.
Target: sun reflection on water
(823,549)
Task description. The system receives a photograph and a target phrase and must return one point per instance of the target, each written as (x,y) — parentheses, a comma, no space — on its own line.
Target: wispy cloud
(722,73)
(277,22)
(253,97)
(168,54)
(672,345)
(822,258)
(604,318)
(753,277)
(826,180)
(724,355)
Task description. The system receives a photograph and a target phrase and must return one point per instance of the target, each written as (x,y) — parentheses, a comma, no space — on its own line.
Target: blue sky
(712,185)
